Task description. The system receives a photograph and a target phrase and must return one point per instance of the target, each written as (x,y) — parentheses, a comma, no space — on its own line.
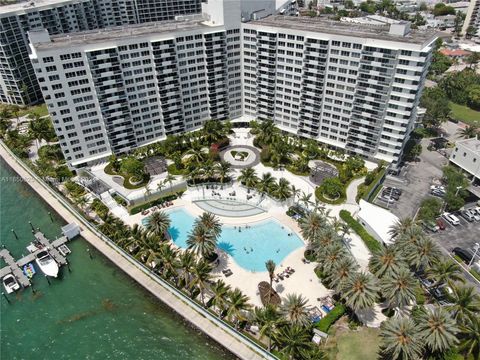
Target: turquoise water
(250,247)
(93,312)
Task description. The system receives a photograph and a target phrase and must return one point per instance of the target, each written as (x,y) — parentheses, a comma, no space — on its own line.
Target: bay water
(93,312)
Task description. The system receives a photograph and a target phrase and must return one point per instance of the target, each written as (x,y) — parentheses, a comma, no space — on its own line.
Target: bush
(339,200)
(370,242)
(309,255)
(419,295)
(364,191)
(172,169)
(325,323)
(332,187)
(265,155)
(429,209)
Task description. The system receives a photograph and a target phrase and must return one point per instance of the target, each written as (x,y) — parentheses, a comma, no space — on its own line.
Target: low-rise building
(466,156)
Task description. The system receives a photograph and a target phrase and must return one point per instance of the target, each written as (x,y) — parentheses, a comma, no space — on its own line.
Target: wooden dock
(13,268)
(41,244)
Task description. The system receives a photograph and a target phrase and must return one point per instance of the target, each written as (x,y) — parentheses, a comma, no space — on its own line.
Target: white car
(452,219)
(475,214)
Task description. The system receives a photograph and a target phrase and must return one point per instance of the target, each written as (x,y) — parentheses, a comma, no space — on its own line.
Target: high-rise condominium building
(18,84)
(356,87)
(113,90)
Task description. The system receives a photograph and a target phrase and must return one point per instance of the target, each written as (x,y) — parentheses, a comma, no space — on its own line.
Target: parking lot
(414,181)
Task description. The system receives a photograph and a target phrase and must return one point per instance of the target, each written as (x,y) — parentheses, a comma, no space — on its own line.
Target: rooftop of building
(323,25)
(455,52)
(25,6)
(472,144)
(121,32)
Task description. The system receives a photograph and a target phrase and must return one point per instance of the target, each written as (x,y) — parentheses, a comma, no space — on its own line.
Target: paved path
(224,335)
(352,191)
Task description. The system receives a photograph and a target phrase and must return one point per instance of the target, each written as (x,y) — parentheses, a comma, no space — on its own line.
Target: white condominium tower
(18,84)
(356,87)
(113,90)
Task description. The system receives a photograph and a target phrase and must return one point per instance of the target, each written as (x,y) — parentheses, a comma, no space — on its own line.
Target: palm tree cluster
(287,326)
(336,266)
(429,332)
(267,184)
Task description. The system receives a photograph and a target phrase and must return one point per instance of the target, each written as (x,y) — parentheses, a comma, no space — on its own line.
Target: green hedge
(363,190)
(371,243)
(139,208)
(325,323)
(340,200)
(172,169)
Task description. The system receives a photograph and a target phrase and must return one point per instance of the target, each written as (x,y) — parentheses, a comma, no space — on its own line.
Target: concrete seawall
(197,316)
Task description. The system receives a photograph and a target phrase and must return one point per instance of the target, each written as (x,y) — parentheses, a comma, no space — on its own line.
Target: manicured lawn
(465,114)
(358,345)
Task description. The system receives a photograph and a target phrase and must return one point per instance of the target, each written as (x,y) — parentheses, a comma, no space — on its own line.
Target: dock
(57,249)
(13,268)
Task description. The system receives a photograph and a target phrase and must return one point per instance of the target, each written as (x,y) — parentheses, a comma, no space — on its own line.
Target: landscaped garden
(130,172)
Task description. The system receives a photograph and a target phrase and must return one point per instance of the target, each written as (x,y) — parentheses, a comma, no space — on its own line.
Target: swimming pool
(250,248)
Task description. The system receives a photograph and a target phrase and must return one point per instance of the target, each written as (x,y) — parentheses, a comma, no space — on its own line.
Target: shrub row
(371,243)
(364,189)
(139,208)
(337,312)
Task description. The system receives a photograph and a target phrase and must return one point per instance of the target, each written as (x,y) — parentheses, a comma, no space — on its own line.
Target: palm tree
(268,319)
(169,180)
(330,256)
(423,254)
(399,288)
(168,259)
(270,266)
(266,132)
(147,193)
(160,186)
(400,339)
(360,291)
(445,271)
(202,241)
(305,199)
(470,338)
(386,261)
(266,183)
(224,169)
(327,236)
(210,222)
(219,291)
(282,191)
(312,225)
(293,340)
(437,330)
(468,132)
(464,303)
(295,192)
(186,263)
(342,270)
(409,237)
(294,310)
(237,306)
(201,277)
(400,227)
(158,223)
(248,176)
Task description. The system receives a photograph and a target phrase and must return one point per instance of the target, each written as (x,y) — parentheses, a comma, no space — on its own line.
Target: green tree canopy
(132,167)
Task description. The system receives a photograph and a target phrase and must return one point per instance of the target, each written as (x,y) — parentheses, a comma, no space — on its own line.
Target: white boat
(10,283)
(47,264)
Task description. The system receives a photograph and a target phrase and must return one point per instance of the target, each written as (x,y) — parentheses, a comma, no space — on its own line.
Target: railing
(185,299)
(230,198)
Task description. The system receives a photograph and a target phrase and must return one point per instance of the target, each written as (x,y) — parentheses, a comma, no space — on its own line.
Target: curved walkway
(199,317)
(352,191)
(228,208)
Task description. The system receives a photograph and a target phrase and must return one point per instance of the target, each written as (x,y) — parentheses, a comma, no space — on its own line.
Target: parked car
(475,214)
(452,219)
(463,254)
(390,194)
(467,215)
(430,225)
(394,190)
(441,224)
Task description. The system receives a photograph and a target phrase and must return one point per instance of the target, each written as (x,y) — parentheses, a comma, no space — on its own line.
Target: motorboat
(10,283)
(47,263)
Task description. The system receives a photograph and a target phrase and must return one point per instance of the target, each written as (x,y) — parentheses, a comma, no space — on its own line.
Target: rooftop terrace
(322,25)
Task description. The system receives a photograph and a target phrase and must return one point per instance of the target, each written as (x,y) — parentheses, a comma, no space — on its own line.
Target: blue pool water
(250,248)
